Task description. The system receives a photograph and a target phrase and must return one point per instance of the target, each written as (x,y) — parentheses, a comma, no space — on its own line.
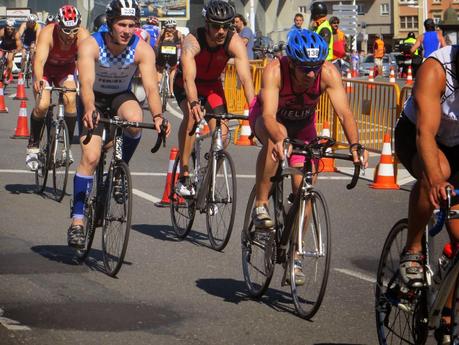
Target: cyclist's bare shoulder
(144,52)
(82,34)
(190,46)
(330,76)
(430,79)
(272,74)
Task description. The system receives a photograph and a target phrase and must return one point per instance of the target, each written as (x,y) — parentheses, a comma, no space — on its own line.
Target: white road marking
(145,196)
(12,325)
(356,275)
(174,112)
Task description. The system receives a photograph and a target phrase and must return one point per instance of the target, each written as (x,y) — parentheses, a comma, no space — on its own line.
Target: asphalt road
(169,291)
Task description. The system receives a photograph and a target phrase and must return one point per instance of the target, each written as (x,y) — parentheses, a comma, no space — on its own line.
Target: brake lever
(90,131)
(161,136)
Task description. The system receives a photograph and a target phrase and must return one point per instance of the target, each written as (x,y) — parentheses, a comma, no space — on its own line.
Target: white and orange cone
(20,91)
(328,164)
(348,83)
(245,132)
(392,75)
(409,78)
(384,174)
(22,129)
(3,108)
(165,201)
(371,79)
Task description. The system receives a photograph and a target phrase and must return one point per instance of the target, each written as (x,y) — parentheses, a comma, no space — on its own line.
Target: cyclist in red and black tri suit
(10,44)
(204,57)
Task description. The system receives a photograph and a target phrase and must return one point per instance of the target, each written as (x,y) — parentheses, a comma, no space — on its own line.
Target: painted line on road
(356,275)
(174,112)
(11,324)
(145,196)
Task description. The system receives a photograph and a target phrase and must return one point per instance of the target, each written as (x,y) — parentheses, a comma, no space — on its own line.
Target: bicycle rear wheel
(221,201)
(183,210)
(61,160)
(41,174)
(312,219)
(258,252)
(401,313)
(164,90)
(117,217)
(90,220)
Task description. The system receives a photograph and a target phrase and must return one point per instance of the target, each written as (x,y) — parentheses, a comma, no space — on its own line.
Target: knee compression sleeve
(82,186)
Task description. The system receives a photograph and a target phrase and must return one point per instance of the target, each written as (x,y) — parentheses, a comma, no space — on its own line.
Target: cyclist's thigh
(126,106)
(43,101)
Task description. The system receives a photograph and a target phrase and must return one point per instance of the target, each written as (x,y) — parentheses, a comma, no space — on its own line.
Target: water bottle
(443,262)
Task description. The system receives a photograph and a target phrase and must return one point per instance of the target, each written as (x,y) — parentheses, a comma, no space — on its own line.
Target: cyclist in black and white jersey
(107,63)
(427,143)
(29,31)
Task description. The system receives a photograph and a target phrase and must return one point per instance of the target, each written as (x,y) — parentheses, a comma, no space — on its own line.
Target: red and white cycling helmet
(68,16)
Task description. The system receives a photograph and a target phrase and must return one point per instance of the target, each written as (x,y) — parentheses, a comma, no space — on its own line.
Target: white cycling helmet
(10,22)
(32,18)
(170,23)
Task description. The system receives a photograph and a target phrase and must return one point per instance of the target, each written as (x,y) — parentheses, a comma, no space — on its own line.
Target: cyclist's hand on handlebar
(360,155)
(90,120)
(437,192)
(196,111)
(277,153)
(38,86)
(158,120)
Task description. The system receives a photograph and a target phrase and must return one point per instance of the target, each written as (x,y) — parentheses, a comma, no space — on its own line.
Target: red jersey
(57,56)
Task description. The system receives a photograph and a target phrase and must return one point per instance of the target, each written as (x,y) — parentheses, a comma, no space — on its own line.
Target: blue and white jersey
(114,73)
(154,32)
(103,28)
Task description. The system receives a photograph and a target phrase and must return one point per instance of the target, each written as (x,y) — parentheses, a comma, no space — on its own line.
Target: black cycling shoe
(75,236)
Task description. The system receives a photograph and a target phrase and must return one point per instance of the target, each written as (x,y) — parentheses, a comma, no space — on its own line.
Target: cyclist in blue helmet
(286,107)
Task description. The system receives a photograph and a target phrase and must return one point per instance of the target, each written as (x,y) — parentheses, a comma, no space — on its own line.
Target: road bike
(213,177)
(164,91)
(27,68)
(301,234)
(54,147)
(406,315)
(109,205)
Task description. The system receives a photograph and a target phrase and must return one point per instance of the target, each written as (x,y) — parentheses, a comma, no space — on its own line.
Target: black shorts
(406,150)
(108,105)
(163,58)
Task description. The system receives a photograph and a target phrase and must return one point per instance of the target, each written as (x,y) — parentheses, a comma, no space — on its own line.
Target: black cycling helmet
(122,9)
(429,24)
(318,10)
(99,21)
(411,35)
(219,11)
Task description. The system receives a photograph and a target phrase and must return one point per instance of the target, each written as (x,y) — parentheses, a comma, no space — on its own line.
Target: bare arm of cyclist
(22,29)
(331,83)
(38,31)
(18,43)
(237,49)
(44,43)
(145,59)
(189,51)
(430,85)
(82,35)
(88,53)
(271,84)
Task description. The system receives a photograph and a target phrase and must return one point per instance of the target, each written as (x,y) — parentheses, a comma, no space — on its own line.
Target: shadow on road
(337,344)
(21,188)
(235,291)
(366,263)
(167,233)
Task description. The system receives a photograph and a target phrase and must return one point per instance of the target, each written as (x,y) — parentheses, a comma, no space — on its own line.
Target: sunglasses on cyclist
(218,26)
(306,69)
(68,31)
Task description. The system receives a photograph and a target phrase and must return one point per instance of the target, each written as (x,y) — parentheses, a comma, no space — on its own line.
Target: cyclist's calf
(90,155)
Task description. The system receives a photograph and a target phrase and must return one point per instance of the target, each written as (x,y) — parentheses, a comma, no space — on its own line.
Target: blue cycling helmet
(306,46)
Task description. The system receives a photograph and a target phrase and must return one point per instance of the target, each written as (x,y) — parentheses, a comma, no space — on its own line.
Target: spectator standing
(298,21)
(339,43)
(322,26)
(244,32)
(415,57)
(431,40)
(378,52)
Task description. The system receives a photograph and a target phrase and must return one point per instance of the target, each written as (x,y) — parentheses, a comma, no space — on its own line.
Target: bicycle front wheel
(117,217)
(164,90)
(60,159)
(258,252)
(183,210)
(310,249)
(41,174)
(221,200)
(401,313)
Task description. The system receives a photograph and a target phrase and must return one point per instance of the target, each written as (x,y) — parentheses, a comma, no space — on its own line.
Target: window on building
(408,22)
(303,9)
(408,2)
(360,9)
(436,1)
(384,9)
(436,18)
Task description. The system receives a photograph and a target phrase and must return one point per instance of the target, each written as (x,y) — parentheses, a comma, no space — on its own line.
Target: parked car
(17,56)
(389,60)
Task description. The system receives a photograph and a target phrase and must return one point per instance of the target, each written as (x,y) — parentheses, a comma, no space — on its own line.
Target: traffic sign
(344,8)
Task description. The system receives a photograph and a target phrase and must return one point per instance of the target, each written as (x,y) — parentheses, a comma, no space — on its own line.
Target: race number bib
(169,50)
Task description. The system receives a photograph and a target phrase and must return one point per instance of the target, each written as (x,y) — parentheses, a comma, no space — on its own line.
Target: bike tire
(117,218)
(221,201)
(258,252)
(316,254)
(89,220)
(183,210)
(164,91)
(44,156)
(398,321)
(60,159)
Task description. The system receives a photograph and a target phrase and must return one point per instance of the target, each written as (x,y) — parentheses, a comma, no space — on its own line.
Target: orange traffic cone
(3,108)
(348,83)
(371,79)
(409,78)
(384,174)
(20,92)
(22,129)
(245,133)
(246,110)
(204,128)
(328,163)
(165,201)
(355,73)
(392,75)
